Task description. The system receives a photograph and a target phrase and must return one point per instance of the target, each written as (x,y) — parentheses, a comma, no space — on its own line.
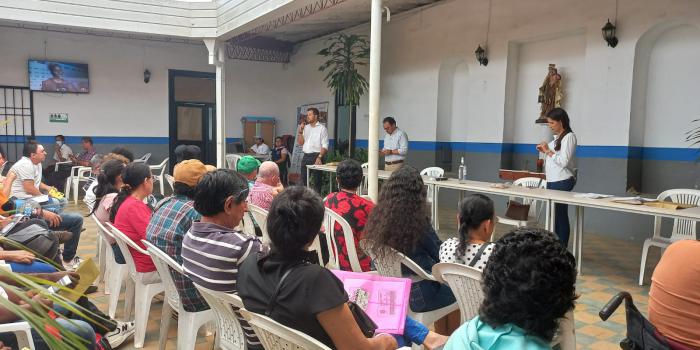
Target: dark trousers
(310,159)
(561,211)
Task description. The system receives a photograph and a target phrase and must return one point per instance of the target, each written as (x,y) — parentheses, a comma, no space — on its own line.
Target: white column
(221,110)
(217,57)
(375,60)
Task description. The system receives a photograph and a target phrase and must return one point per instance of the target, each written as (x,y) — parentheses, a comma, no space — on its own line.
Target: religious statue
(551,93)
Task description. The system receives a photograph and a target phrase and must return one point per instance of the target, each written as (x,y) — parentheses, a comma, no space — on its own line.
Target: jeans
(118,256)
(561,211)
(429,296)
(80,328)
(73,223)
(310,159)
(35,267)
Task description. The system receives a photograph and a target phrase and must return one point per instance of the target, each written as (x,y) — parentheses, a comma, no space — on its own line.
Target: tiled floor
(609,266)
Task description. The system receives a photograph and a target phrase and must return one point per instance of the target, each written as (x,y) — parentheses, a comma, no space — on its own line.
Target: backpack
(33,234)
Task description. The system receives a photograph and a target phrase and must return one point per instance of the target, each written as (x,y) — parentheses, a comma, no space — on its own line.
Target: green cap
(247,165)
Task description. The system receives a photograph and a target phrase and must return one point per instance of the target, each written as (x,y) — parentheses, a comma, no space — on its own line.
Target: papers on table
(592,195)
(634,200)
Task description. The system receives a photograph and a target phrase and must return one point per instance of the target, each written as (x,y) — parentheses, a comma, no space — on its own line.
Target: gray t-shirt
(25,170)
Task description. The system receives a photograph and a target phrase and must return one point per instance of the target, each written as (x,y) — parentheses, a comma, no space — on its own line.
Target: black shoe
(91,289)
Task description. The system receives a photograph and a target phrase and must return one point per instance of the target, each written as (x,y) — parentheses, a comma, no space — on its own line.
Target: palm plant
(346,52)
(693,136)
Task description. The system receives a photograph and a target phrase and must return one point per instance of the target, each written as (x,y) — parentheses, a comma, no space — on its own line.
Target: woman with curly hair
(400,221)
(529,285)
(476,221)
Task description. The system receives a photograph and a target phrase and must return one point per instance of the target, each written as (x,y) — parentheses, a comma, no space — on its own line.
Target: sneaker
(73,264)
(121,334)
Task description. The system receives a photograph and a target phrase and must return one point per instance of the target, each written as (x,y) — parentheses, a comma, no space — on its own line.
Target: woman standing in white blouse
(560,165)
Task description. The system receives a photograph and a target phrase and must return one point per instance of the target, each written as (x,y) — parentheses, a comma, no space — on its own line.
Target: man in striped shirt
(212,249)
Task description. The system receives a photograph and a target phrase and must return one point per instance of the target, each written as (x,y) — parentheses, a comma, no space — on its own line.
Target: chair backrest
(532,182)
(232,161)
(275,336)
(330,219)
(171,180)
(260,216)
(160,168)
(248,226)
(389,263)
(124,243)
(144,158)
(364,183)
(465,282)
(230,333)
(682,229)
(433,171)
(163,264)
(101,229)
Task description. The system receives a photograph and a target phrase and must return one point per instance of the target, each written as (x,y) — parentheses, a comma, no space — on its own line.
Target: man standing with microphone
(314,139)
(395,145)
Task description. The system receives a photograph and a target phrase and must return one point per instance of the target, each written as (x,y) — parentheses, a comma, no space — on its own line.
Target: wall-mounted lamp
(609,34)
(481,56)
(146,76)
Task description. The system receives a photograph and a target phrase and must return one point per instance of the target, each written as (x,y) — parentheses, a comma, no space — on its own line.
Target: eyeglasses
(241,195)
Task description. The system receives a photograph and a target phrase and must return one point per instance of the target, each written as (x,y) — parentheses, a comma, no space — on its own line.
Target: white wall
(119,103)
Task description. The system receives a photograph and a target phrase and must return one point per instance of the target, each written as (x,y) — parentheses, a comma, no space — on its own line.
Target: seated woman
(108,182)
(528,287)
(476,222)
(310,299)
(131,216)
(400,221)
(353,208)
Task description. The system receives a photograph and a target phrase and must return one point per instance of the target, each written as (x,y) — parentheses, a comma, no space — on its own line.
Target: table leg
(547,214)
(579,228)
(308,175)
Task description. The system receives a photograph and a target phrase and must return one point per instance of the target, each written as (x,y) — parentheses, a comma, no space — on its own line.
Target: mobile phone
(64,281)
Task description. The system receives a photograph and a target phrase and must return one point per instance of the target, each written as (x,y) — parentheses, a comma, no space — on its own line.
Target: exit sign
(58,117)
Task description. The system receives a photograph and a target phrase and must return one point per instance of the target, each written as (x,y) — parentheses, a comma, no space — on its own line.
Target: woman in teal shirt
(529,285)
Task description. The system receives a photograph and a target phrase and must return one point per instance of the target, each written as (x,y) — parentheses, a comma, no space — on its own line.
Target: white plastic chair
(143,159)
(142,294)
(390,266)
(58,164)
(188,323)
(171,180)
(248,226)
(682,229)
(112,273)
(260,216)
(330,218)
(77,174)
(465,282)
(536,207)
(275,336)
(363,185)
(229,334)
(158,172)
(232,161)
(434,172)
(22,331)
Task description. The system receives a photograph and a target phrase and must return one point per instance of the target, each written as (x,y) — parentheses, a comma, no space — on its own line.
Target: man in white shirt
(313,136)
(62,152)
(260,147)
(28,184)
(395,145)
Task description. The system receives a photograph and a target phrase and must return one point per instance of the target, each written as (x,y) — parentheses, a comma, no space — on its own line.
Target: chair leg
(144,294)
(76,183)
(165,318)
(642,266)
(115,287)
(129,298)
(24,339)
(188,326)
(69,183)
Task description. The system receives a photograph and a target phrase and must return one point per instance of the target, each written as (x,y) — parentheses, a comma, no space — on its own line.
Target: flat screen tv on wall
(55,76)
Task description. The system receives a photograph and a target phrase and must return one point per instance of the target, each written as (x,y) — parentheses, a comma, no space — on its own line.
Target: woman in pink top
(131,216)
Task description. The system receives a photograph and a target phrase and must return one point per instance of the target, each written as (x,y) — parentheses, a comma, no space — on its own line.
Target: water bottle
(462,172)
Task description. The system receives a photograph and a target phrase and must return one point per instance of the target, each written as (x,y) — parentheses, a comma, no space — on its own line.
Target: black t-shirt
(307,291)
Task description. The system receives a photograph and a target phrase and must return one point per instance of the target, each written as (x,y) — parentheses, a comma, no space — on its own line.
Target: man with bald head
(266,186)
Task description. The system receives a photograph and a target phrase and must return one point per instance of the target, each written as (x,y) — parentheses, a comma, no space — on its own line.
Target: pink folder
(384,299)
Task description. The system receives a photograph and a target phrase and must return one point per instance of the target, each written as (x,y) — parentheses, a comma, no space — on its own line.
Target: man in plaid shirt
(170,222)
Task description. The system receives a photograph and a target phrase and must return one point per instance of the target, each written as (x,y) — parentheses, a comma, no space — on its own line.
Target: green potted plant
(344,53)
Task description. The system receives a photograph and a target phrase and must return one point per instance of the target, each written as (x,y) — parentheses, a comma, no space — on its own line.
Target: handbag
(517,211)
(367,326)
